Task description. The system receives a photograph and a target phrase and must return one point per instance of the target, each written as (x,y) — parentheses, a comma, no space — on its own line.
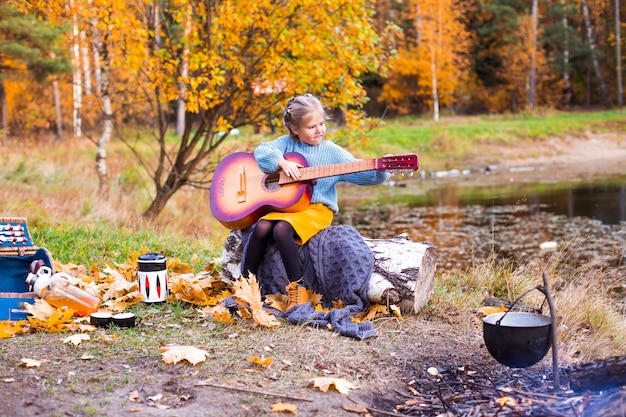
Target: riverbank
(589,155)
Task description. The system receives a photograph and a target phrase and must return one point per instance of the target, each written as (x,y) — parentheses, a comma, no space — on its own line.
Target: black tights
(283,235)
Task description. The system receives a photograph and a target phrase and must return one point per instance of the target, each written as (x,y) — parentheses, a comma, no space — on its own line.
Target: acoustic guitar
(241,193)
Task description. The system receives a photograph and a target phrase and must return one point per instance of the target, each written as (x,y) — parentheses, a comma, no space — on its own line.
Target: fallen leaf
(375,310)
(492,310)
(134,396)
(354,408)
(247,290)
(396,311)
(433,371)
(284,408)
(260,361)
(175,354)
(324,384)
(30,363)
(76,339)
(10,329)
(60,320)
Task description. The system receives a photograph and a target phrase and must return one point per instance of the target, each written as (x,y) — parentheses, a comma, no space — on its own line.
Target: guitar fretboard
(322,171)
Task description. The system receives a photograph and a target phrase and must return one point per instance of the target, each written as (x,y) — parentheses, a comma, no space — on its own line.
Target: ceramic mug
(100,318)
(126,320)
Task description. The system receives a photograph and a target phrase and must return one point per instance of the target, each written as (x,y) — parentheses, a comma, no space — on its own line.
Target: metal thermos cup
(152,277)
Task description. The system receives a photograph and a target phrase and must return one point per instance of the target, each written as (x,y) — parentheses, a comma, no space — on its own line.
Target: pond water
(507,218)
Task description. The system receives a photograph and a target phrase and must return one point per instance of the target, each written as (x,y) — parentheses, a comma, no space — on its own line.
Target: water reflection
(605,201)
(471,223)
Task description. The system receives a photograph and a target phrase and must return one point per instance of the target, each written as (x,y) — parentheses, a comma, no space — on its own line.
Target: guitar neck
(323,171)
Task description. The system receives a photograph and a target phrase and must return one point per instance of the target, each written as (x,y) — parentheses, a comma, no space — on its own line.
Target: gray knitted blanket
(337,264)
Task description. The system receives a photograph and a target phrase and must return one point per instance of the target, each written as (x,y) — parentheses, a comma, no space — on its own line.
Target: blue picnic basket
(18,256)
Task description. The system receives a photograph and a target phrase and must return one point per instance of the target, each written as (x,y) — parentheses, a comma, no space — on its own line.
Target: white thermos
(152,272)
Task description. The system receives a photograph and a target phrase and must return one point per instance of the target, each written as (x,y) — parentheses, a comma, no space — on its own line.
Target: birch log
(404,271)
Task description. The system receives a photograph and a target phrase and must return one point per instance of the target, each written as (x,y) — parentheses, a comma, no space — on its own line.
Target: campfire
(502,392)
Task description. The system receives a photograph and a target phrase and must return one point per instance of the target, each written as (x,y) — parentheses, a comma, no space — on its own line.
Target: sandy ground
(603,153)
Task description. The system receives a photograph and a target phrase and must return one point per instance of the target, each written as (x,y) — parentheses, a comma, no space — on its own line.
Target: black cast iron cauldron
(517,339)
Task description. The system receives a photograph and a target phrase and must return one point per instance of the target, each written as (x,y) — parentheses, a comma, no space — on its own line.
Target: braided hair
(300,108)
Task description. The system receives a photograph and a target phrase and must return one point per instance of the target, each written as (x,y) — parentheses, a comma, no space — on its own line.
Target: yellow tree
(239,61)
(227,63)
(434,59)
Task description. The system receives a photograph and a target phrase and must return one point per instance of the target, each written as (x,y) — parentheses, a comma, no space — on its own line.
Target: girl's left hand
(290,168)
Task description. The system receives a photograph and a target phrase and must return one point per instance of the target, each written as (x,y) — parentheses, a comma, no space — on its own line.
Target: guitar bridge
(241,193)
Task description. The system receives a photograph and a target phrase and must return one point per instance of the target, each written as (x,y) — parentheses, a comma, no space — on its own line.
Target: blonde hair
(298,109)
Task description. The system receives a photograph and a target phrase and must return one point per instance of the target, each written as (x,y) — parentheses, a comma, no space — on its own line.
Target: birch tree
(434,58)
(532,76)
(594,55)
(618,55)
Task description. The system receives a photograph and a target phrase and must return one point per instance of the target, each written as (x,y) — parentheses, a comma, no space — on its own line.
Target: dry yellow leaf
(375,310)
(248,291)
(175,354)
(10,329)
(40,309)
(76,339)
(59,321)
(180,268)
(284,408)
(116,285)
(260,361)
(355,408)
(30,363)
(493,310)
(134,396)
(223,317)
(324,384)
(395,310)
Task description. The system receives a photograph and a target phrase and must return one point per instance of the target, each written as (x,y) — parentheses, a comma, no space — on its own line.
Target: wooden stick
(253,391)
(556,377)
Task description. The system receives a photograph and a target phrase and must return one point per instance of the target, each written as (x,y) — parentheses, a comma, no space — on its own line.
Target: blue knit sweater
(326,153)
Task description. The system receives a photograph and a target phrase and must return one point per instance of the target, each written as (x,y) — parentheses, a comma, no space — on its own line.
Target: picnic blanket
(337,263)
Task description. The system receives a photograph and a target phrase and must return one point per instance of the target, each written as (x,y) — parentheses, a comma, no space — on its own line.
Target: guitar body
(241,193)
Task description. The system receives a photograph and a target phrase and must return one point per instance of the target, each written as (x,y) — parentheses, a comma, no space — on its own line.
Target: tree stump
(404,271)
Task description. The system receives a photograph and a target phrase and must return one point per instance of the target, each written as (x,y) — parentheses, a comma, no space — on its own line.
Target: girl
(305,118)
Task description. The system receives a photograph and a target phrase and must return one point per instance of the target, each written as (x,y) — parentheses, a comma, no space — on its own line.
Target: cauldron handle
(538,287)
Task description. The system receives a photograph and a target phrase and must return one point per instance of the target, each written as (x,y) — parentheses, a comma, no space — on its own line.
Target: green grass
(453,137)
(100,243)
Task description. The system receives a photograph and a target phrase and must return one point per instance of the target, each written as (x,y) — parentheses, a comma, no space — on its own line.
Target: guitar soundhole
(271,182)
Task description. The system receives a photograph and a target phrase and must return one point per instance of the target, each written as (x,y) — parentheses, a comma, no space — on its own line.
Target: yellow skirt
(306,223)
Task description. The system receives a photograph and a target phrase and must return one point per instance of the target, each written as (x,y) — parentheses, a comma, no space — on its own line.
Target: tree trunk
(86,65)
(599,375)
(184,72)
(4,113)
(594,56)
(433,69)
(77,92)
(107,112)
(57,108)
(532,76)
(404,271)
(163,195)
(618,56)
(567,87)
